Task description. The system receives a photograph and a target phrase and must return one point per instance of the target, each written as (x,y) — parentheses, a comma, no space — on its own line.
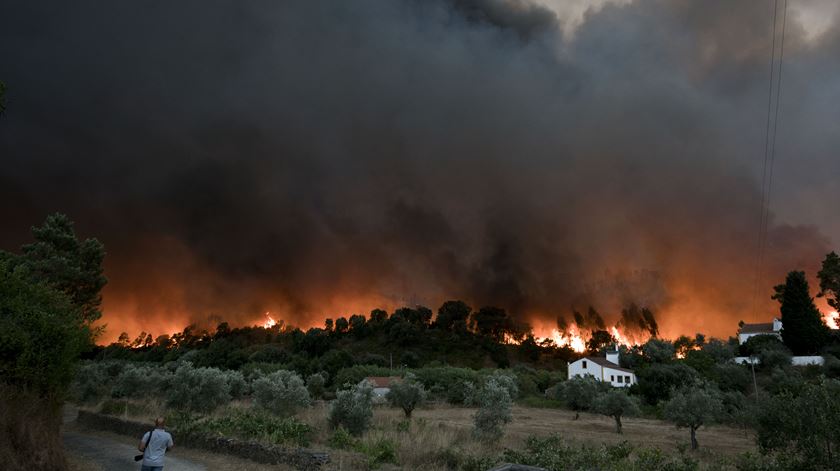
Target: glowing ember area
(269,321)
(832,320)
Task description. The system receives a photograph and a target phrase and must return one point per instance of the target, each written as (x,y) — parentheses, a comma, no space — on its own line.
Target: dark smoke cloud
(315,158)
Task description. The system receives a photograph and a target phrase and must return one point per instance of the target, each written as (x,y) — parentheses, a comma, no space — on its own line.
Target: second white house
(603,369)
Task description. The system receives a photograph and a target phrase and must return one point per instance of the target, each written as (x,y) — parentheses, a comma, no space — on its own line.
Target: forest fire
(269,321)
(832,320)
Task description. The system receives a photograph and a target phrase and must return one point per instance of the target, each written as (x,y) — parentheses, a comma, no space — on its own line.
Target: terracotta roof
(763,328)
(607,364)
(383,381)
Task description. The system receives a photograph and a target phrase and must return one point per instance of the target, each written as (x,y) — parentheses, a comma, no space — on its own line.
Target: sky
(316,159)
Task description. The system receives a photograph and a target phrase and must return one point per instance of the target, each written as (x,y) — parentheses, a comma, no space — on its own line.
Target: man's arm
(170,444)
(142,445)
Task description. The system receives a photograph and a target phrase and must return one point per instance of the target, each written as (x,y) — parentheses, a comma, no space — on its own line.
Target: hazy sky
(316,159)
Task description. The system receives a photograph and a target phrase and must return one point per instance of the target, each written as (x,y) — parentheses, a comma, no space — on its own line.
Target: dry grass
(437,430)
(29,431)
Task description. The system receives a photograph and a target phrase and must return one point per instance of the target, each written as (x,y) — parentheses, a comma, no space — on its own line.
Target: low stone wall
(302,459)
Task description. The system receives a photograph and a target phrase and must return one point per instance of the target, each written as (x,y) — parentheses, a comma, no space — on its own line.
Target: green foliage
(657,381)
(554,453)
(579,393)
(198,389)
(282,392)
(140,381)
(803,329)
(448,382)
(804,425)
(66,264)
(353,408)
(693,406)
(256,425)
(315,384)
(407,394)
(658,351)
(616,403)
(732,377)
(829,276)
(720,351)
(41,333)
(90,384)
(494,409)
(355,374)
(453,315)
(342,439)
(378,451)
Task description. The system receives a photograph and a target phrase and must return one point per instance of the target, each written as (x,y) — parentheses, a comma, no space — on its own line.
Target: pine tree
(829,277)
(803,330)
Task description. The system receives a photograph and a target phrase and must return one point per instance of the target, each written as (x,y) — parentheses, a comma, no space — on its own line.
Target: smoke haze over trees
(315,159)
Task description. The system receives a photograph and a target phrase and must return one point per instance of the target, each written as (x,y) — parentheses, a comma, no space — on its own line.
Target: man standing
(154,445)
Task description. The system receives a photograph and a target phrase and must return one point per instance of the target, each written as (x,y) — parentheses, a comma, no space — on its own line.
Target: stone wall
(302,459)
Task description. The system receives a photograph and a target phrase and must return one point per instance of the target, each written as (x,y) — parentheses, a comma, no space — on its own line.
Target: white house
(382,385)
(603,369)
(767,328)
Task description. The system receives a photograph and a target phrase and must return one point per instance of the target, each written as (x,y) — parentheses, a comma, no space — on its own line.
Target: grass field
(437,432)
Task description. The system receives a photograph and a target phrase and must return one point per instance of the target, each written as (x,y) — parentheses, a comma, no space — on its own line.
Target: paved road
(114,455)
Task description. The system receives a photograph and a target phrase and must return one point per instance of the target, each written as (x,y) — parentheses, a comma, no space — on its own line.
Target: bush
(140,382)
(494,410)
(353,408)
(448,382)
(198,389)
(281,392)
(253,425)
(555,453)
(236,382)
(315,384)
(407,394)
(90,384)
(355,374)
(579,393)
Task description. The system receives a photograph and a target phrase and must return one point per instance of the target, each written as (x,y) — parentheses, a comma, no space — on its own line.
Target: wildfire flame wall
(316,159)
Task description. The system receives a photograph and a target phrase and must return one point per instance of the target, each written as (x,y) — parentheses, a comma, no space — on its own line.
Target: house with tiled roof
(604,369)
(767,328)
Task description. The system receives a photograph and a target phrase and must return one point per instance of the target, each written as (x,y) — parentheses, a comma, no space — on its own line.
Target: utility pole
(755,384)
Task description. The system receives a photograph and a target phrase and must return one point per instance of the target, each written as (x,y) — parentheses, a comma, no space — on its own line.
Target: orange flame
(269,322)
(832,320)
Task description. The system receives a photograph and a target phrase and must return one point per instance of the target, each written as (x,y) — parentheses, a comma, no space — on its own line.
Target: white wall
(795,361)
(595,370)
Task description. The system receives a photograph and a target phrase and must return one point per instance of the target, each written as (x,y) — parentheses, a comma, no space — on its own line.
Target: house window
(612,377)
(627,379)
(584,364)
(619,379)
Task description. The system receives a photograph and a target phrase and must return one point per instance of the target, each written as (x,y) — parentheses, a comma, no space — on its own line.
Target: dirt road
(109,453)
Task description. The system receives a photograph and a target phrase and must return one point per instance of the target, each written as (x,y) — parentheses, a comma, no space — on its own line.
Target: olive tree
(315,384)
(281,392)
(692,407)
(407,394)
(579,392)
(353,408)
(198,389)
(616,403)
(494,410)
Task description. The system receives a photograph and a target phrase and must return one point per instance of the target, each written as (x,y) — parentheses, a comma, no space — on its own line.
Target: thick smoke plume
(315,159)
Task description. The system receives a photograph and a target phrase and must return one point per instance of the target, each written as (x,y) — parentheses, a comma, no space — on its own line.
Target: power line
(769,148)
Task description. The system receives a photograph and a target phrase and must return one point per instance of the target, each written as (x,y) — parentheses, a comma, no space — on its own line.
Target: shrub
(282,392)
(378,451)
(198,389)
(407,394)
(448,382)
(90,384)
(236,382)
(140,382)
(315,384)
(353,408)
(254,425)
(494,410)
(354,374)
